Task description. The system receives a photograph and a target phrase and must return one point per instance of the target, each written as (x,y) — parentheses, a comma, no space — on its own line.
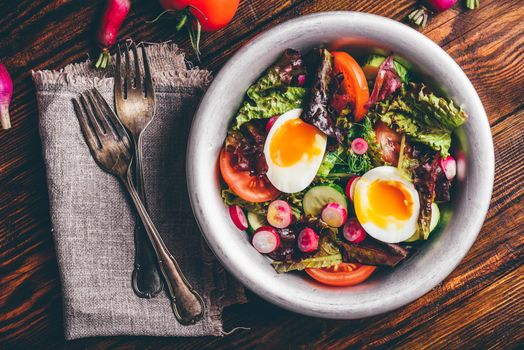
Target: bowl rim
(299,303)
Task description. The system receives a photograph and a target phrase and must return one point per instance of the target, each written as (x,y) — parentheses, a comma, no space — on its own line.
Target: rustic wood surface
(480,305)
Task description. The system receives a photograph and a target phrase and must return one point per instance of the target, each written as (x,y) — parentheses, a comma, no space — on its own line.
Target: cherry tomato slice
(355,83)
(342,275)
(247,187)
(389,142)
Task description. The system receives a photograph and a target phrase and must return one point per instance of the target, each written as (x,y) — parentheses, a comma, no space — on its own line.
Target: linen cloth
(93,220)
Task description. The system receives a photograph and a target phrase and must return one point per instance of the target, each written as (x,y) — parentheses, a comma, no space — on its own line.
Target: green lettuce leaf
(230,198)
(283,73)
(368,133)
(329,161)
(423,116)
(435,112)
(275,102)
(406,163)
(327,255)
(276,92)
(314,262)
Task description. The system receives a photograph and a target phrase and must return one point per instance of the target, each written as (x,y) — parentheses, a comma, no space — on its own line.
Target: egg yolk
(388,199)
(292,141)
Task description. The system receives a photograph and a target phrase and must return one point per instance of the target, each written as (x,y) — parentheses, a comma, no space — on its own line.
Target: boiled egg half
(386,204)
(293,150)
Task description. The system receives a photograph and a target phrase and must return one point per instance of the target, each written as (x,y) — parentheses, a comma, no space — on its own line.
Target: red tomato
(355,83)
(247,187)
(212,14)
(342,275)
(389,142)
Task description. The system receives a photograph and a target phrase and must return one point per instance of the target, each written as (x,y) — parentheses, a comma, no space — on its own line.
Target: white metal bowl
(386,290)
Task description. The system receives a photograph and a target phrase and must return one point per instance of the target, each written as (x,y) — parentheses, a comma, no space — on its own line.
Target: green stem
(198,10)
(182,22)
(160,15)
(103,59)
(194,36)
(419,17)
(472,4)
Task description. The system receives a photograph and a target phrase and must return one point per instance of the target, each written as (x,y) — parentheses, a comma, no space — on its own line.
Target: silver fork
(111,148)
(135,108)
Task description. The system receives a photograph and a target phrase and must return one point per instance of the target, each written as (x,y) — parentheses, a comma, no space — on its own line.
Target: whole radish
(114,15)
(440,5)
(201,15)
(419,17)
(6,93)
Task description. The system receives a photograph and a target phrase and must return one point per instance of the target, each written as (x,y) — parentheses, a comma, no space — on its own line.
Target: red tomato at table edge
(212,14)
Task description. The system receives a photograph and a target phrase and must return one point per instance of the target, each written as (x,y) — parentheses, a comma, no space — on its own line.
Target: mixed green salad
(335,166)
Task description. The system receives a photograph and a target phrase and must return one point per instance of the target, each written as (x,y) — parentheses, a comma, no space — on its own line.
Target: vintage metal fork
(135,108)
(111,148)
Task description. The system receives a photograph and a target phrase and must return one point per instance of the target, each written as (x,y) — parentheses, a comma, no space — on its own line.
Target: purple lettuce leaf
(386,83)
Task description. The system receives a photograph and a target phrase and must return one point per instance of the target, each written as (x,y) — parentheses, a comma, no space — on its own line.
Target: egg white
(396,230)
(298,176)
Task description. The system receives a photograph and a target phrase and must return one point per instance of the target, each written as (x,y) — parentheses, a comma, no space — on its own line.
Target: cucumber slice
(435,218)
(317,197)
(255,221)
(373,62)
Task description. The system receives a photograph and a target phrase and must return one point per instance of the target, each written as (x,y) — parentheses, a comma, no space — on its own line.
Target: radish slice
(279,214)
(449,167)
(334,215)
(266,240)
(350,187)
(301,80)
(270,123)
(238,217)
(461,166)
(353,231)
(359,145)
(307,240)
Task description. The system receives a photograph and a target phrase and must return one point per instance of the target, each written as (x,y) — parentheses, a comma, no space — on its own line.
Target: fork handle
(146,279)
(187,304)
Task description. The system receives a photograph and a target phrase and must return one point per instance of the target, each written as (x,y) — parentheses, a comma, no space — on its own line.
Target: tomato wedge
(355,83)
(389,142)
(247,187)
(342,275)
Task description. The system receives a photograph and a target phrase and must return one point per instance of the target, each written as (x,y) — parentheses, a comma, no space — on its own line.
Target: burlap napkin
(93,222)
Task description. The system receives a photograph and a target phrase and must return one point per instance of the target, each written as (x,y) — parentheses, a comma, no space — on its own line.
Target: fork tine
(119,96)
(138,73)
(91,140)
(127,74)
(99,113)
(148,80)
(91,116)
(110,115)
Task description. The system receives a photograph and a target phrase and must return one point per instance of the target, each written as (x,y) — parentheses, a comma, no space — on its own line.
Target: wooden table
(480,305)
